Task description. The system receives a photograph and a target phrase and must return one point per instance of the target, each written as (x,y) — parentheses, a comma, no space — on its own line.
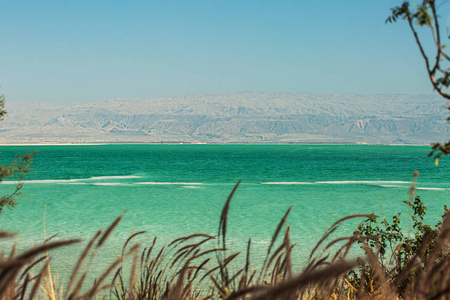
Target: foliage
(437,65)
(2,107)
(395,250)
(20,167)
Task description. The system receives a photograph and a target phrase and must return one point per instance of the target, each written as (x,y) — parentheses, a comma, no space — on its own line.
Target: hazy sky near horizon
(78,51)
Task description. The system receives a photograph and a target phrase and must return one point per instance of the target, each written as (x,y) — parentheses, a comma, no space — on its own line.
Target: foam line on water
(338,182)
(85,182)
(107,183)
(111,177)
(287,183)
(432,189)
(394,186)
(43,181)
(417,188)
(362,182)
(168,183)
(9,182)
(75,180)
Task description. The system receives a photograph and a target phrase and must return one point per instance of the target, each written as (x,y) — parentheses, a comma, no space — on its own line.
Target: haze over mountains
(248,117)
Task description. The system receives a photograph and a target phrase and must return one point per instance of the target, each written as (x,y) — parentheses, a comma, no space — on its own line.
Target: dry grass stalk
(79,263)
(108,231)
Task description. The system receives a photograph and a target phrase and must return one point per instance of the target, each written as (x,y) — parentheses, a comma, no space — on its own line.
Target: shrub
(399,256)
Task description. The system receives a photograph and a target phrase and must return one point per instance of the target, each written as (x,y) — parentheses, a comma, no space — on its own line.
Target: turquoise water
(175,190)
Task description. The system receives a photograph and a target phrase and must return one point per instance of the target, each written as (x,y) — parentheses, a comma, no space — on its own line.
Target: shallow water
(175,190)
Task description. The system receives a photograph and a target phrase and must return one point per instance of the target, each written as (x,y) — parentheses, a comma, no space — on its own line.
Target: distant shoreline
(189,143)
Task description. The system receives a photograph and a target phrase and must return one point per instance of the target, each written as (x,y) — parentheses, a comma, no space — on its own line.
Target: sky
(80,51)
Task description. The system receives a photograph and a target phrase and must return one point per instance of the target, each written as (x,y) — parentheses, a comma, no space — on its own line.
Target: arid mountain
(248,117)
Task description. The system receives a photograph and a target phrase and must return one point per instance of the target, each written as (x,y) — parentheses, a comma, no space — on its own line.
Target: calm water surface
(175,190)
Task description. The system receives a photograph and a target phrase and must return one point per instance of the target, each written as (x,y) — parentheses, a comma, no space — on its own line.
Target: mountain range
(247,117)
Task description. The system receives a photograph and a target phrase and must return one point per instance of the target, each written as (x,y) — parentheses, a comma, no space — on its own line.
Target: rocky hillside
(249,117)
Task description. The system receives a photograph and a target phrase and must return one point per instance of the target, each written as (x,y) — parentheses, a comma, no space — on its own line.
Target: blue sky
(78,51)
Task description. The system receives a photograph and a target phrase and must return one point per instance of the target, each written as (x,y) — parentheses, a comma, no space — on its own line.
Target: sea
(170,191)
